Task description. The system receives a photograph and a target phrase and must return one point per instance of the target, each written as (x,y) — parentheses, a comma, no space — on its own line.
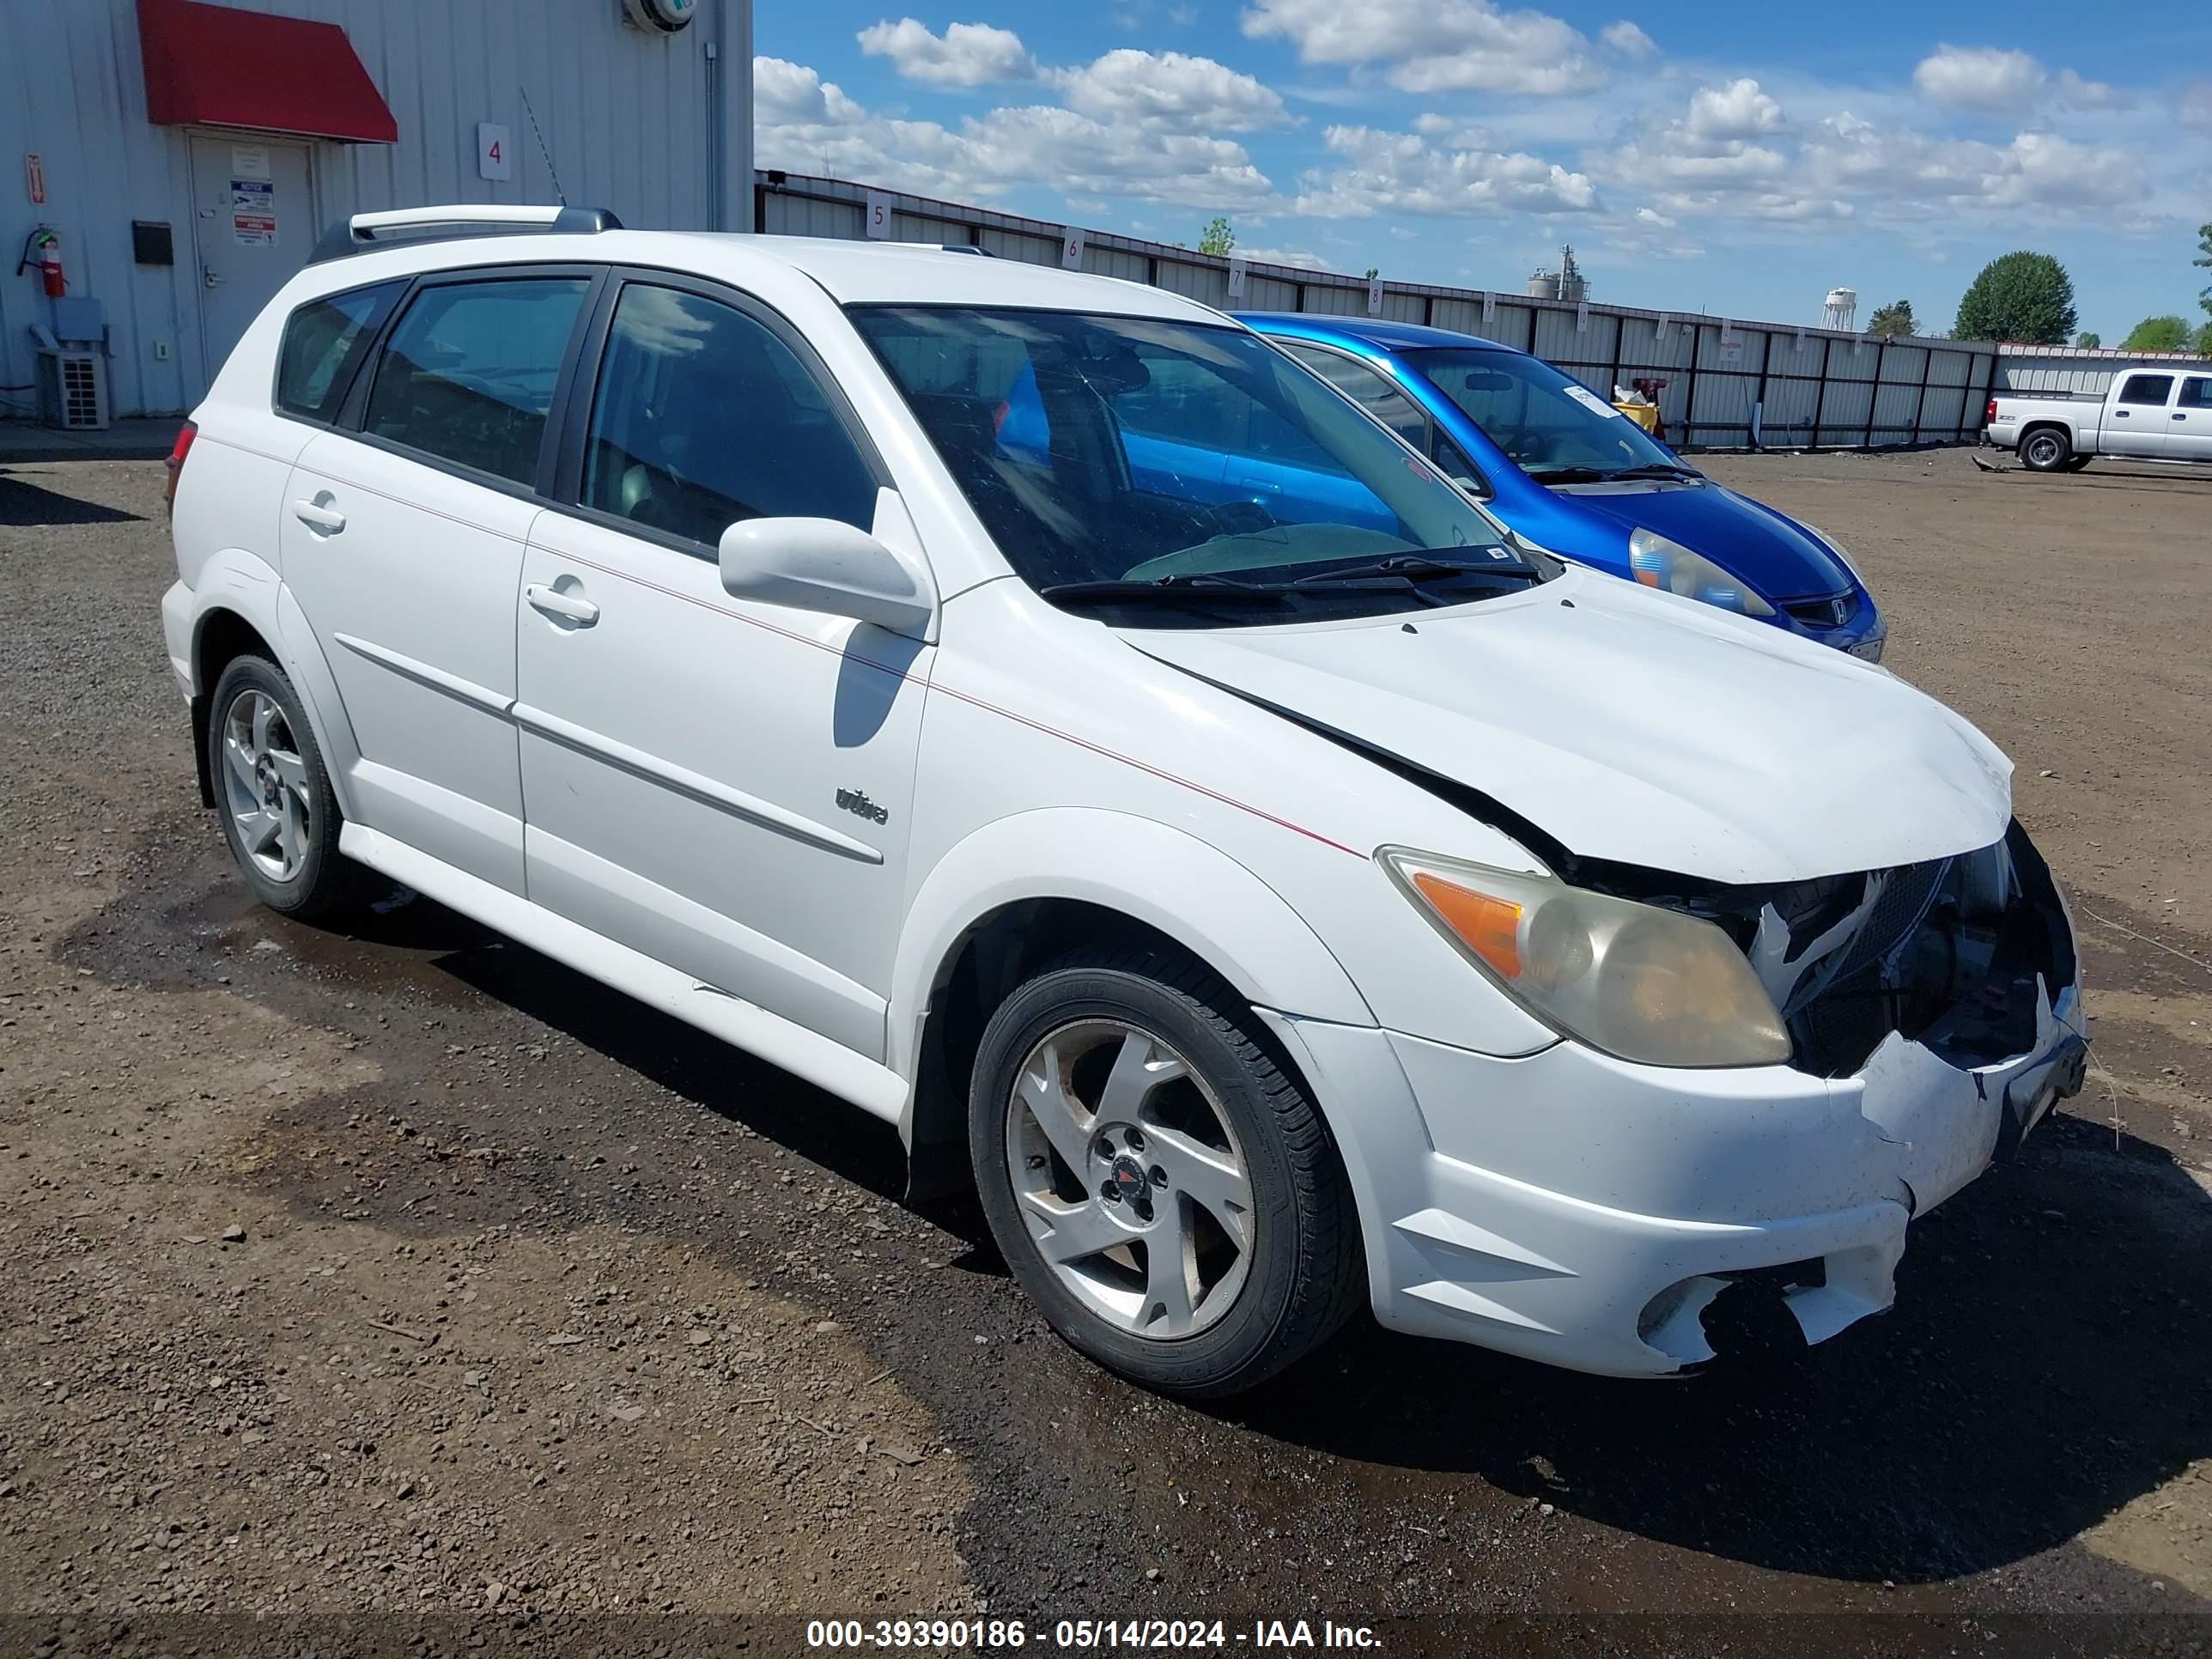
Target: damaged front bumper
(1599,1214)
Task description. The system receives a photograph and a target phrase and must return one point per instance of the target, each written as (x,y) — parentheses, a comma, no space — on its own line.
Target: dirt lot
(398,1271)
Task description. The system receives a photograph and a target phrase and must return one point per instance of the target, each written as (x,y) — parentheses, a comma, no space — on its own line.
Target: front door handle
(320,515)
(572,608)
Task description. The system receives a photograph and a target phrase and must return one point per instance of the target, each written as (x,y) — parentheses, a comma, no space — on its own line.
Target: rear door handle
(573,608)
(316,515)
(2179,416)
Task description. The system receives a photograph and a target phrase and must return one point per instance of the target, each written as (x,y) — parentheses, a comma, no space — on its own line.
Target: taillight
(1990,415)
(183,447)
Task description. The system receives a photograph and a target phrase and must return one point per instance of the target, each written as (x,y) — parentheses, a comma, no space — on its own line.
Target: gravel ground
(397,1279)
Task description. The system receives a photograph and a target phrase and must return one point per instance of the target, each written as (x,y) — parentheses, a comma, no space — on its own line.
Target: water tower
(1843,309)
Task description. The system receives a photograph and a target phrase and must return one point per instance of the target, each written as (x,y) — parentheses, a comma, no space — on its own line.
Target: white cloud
(1435,45)
(791,94)
(1402,172)
(1739,110)
(2077,93)
(965,55)
(1169,89)
(1978,77)
(1909,174)
(1655,219)
(808,126)
(1626,38)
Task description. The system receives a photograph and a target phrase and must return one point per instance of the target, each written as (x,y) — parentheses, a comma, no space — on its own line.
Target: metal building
(177,159)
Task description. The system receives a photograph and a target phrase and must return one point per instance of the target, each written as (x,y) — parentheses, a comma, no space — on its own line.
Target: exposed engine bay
(1957,954)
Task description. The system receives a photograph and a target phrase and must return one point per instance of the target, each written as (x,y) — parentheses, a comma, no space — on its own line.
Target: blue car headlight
(1655,562)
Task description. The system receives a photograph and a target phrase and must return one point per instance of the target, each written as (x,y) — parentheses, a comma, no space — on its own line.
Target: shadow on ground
(22,502)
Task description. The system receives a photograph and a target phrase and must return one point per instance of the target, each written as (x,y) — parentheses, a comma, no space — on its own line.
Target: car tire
(2046,449)
(273,793)
(1230,1246)
(2075,463)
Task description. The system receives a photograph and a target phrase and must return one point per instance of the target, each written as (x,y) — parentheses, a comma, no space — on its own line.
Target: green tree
(1893,321)
(2204,341)
(2088,339)
(2204,258)
(2023,297)
(1372,272)
(1217,238)
(2158,334)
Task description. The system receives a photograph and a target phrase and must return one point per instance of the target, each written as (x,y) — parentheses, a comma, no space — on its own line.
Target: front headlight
(1655,562)
(1633,980)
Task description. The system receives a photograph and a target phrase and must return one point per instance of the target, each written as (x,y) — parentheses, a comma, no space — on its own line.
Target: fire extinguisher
(44,249)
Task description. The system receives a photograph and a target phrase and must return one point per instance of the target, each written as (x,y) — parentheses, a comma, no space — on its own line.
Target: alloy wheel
(1130,1179)
(265,785)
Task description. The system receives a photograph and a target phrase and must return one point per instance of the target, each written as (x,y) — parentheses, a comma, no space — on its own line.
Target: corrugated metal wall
(2058,373)
(626,116)
(1810,386)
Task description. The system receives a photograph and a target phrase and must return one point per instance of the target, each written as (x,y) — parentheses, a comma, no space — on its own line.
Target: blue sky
(1734,158)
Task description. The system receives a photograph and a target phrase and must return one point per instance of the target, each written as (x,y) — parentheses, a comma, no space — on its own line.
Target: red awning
(223,67)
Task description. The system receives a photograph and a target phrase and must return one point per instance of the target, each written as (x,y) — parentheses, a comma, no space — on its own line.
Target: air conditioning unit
(73,390)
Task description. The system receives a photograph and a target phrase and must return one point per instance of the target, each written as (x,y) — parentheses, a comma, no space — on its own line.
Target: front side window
(704,417)
(2150,389)
(469,371)
(325,341)
(1556,429)
(1366,387)
(1152,467)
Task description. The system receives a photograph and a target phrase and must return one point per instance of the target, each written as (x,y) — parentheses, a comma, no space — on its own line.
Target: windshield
(1551,425)
(1152,468)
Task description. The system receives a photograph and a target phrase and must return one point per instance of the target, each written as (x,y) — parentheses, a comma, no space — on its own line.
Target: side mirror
(828,566)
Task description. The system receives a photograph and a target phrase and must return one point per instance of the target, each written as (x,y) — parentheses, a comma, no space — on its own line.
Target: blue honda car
(1562,467)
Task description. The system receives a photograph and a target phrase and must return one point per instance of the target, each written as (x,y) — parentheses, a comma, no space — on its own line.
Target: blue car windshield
(1546,422)
(1105,453)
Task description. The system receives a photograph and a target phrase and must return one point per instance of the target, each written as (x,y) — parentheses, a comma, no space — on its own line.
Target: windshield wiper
(1551,474)
(1413,568)
(1166,589)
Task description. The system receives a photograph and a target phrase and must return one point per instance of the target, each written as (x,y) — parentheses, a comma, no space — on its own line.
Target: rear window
(469,372)
(325,341)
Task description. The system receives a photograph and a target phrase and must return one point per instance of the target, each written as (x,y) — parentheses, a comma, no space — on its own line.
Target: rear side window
(2147,389)
(1366,387)
(2196,393)
(469,372)
(325,341)
(704,417)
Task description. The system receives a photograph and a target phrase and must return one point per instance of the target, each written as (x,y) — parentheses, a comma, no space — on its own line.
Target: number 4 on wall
(494,160)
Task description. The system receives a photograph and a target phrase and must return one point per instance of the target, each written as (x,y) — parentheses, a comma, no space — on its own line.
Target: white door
(402,544)
(253,226)
(720,784)
(2189,435)
(2137,420)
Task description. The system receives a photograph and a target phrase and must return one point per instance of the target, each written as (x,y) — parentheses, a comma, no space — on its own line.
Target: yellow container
(1644,415)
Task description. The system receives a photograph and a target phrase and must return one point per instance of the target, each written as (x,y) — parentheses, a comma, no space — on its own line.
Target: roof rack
(365,231)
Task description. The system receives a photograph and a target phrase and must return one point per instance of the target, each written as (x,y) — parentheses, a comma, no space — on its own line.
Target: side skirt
(813,1058)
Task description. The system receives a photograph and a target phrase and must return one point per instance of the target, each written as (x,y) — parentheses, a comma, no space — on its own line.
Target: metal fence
(1729,385)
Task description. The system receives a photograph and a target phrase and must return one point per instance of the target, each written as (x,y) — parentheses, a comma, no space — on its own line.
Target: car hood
(1775,556)
(1637,726)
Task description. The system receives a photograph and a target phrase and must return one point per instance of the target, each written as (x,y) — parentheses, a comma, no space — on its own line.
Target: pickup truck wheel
(279,813)
(1160,1186)
(2044,450)
(2074,463)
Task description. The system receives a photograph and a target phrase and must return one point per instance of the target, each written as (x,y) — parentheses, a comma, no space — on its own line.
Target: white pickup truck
(2149,415)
